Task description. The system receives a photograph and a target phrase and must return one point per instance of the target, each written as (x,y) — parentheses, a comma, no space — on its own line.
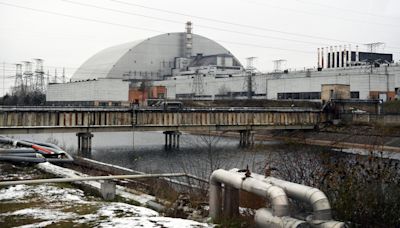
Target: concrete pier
(84,141)
(246,138)
(172,139)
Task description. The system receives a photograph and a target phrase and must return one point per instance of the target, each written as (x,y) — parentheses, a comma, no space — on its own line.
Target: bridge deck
(72,119)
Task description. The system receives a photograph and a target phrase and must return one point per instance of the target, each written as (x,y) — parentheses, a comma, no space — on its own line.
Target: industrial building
(189,66)
(159,57)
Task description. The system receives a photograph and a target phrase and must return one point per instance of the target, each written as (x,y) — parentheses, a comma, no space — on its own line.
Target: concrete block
(107,189)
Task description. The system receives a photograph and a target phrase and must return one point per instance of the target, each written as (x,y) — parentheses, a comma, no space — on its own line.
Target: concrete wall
(390,120)
(98,90)
(335,91)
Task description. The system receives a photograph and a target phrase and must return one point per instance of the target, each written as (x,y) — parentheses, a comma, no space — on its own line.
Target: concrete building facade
(99,90)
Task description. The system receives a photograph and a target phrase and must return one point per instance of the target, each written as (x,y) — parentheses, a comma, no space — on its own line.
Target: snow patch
(152,222)
(44,214)
(13,193)
(112,209)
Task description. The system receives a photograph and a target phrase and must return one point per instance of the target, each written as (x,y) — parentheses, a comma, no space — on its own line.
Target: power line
(197,25)
(116,24)
(235,24)
(80,18)
(345,9)
(319,14)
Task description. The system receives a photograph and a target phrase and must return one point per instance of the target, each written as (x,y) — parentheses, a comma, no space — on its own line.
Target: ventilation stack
(188,40)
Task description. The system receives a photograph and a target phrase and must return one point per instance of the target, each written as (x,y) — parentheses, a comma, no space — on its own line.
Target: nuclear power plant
(189,66)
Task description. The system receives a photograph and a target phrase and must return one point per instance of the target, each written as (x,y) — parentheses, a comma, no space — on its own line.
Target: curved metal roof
(100,64)
(151,58)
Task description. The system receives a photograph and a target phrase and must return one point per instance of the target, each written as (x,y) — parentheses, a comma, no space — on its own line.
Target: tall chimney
(188,40)
(322,58)
(357,55)
(335,63)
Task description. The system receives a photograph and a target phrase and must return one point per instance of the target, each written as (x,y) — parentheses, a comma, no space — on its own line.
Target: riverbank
(371,138)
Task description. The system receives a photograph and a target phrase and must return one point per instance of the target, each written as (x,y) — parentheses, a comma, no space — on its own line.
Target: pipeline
(279,201)
(32,152)
(265,218)
(322,216)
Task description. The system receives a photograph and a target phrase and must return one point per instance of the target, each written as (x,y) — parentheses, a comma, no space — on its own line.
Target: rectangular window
(299,96)
(355,95)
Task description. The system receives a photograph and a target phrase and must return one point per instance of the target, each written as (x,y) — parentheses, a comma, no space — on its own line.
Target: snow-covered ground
(61,204)
(51,204)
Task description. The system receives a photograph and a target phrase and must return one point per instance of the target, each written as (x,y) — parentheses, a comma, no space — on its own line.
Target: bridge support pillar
(172,139)
(84,141)
(246,138)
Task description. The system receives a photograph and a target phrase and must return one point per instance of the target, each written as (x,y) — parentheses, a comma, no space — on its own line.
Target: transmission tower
(19,81)
(372,47)
(63,75)
(48,78)
(198,84)
(39,76)
(55,76)
(27,75)
(278,64)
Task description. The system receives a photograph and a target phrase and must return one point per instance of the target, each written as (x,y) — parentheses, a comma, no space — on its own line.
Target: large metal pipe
(44,151)
(315,197)
(277,197)
(21,159)
(265,218)
(89,178)
(322,216)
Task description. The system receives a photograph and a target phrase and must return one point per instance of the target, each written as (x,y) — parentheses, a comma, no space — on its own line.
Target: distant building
(155,58)
(99,92)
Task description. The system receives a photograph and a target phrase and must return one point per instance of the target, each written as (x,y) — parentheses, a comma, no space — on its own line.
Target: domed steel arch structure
(151,59)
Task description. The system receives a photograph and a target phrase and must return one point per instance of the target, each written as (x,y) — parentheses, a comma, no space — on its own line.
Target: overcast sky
(66,33)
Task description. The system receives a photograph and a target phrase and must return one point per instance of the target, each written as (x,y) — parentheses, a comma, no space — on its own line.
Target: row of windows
(300,96)
(140,73)
(310,95)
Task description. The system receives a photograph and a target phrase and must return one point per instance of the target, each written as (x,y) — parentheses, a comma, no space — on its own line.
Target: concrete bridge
(28,120)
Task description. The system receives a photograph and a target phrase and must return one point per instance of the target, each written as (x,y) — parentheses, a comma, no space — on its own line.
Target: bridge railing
(90,117)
